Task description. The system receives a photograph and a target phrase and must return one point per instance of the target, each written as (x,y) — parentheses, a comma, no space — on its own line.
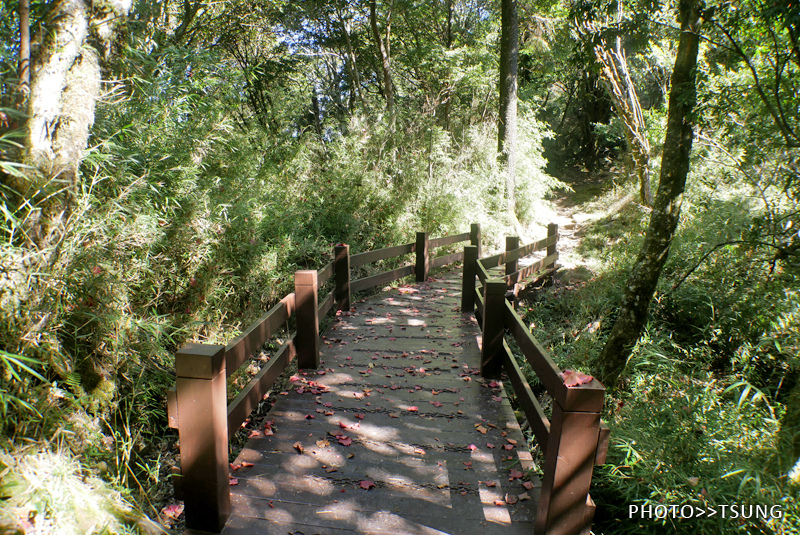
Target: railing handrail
(197,405)
(574,439)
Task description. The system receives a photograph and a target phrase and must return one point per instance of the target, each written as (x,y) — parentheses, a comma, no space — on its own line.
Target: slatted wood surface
(398,404)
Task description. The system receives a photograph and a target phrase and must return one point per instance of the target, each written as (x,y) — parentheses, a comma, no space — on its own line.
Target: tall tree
(65,86)
(666,210)
(384,54)
(24,46)
(507,116)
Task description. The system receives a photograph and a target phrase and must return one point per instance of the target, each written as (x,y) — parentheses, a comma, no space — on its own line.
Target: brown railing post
(512,266)
(306,302)
(564,507)
(475,236)
(203,433)
(552,230)
(468,279)
(341,271)
(493,327)
(423,258)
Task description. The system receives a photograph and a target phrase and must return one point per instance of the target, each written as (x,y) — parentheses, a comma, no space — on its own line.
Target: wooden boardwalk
(396,432)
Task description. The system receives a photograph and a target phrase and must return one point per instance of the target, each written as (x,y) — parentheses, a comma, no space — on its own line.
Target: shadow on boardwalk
(395,433)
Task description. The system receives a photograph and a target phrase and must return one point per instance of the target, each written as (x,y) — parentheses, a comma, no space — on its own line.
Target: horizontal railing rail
(573,439)
(197,404)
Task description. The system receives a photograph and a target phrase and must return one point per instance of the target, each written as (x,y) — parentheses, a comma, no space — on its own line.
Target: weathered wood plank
(381,254)
(381,278)
(447,259)
(448,240)
(244,345)
(251,394)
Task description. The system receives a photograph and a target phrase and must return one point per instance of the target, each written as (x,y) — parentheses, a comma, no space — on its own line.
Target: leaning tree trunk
(666,211)
(507,117)
(616,78)
(65,86)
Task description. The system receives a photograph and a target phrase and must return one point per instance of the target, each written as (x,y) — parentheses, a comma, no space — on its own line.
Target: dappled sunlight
(406,439)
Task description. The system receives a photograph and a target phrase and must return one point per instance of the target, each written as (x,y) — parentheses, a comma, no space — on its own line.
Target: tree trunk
(384,56)
(355,77)
(507,117)
(65,85)
(24,47)
(666,211)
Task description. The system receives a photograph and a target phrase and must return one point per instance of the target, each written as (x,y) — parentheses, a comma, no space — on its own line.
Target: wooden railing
(573,439)
(197,405)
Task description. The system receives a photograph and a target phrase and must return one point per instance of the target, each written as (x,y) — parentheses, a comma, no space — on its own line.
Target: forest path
(396,433)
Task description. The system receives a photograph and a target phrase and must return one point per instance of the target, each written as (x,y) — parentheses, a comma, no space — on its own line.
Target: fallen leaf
(515,474)
(527,484)
(511,499)
(524,496)
(472,447)
(233,481)
(412,408)
(360,416)
(299,447)
(345,441)
(481,429)
(367,484)
(322,443)
(499,503)
(490,483)
(573,378)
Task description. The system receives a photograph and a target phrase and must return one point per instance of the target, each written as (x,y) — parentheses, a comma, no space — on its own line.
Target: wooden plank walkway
(398,404)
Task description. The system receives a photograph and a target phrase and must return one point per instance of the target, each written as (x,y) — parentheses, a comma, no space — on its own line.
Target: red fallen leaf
(343,425)
(327,404)
(345,441)
(394,415)
(245,464)
(524,496)
(97,270)
(413,408)
(489,445)
(497,399)
(515,474)
(511,499)
(366,484)
(468,465)
(436,403)
(527,484)
(235,467)
(472,447)
(499,503)
(511,441)
(508,447)
(490,483)
(493,384)
(294,378)
(255,433)
(233,481)
(270,505)
(573,378)
(310,416)
(172,512)
(360,416)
